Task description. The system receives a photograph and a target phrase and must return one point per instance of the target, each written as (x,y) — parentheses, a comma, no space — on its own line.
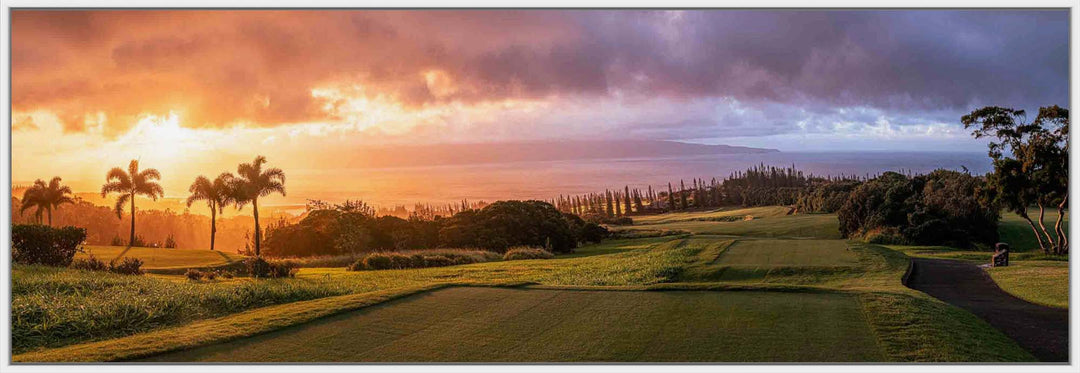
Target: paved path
(1044,331)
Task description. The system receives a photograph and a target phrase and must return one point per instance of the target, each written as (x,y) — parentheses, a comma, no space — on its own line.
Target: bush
(378,261)
(128,266)
(170,242)
(116,241)
(523,253)
(40,244)
(260,268)
(193,274)
(421,259)
(440,261)
(89,264)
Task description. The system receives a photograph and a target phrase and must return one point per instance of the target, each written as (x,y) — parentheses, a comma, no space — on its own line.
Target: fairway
(532,325)
(824,226)
(160,258)
(793,253)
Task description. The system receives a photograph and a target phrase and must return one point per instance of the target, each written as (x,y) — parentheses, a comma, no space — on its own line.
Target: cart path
(1044,331)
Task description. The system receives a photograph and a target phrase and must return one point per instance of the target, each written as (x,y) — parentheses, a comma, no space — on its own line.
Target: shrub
(227,274)
(116,241)
(260,268)
(438,261)
(170,242)
(523,253)
(128,266)
(358,265)
(378,261)
(193,274)
(89,264)
(40,244)
(138,242)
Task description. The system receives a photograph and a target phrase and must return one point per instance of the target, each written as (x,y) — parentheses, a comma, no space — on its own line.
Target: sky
(192,92)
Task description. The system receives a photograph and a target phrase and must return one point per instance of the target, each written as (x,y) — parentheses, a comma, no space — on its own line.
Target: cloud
(684,74)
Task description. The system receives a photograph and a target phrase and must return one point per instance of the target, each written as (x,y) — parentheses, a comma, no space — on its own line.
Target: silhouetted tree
(217,194)
(46,197)
(130,184)
(253,182)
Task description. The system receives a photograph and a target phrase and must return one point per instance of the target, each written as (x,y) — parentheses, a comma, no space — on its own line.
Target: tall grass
(54,306)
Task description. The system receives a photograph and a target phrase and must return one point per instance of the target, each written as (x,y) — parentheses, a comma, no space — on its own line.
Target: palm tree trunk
(131,240)
(49,212)
(258,230)
(213,226)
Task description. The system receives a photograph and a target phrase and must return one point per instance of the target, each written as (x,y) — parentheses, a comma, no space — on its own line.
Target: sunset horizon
(580,186)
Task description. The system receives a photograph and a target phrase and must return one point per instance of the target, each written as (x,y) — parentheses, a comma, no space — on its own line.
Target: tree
(217,194)
(253,182)
(130,184)
(46,197)
(1031,165)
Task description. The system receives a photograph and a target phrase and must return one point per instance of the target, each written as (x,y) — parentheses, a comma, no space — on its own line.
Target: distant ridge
(486,153)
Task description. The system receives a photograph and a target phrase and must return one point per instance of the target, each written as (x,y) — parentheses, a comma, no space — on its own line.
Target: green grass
(713,215)
(522,325)
(917,328)
(1041,282)
(54,307)
(753,272)
(1017,232)
(823,226)
(783,253)
(159,258)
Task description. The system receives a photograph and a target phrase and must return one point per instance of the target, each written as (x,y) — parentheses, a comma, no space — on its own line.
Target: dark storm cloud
(259,67)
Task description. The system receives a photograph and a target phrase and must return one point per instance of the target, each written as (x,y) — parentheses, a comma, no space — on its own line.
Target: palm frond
(151,189)
(150,174)
(272,187)
(115,187)
(119,207)
(118,175)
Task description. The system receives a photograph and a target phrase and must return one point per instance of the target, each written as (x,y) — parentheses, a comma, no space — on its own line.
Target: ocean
(494,181)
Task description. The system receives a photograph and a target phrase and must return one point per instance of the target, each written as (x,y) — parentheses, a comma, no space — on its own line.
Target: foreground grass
(53,307)
(905,325)
(533,325)
(1040,282)
(918,328)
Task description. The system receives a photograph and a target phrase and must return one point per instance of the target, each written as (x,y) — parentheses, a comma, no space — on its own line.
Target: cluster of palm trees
(250,182)
(46,197)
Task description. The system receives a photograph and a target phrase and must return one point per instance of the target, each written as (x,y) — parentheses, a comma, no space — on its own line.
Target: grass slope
(1040,282)
(520,325)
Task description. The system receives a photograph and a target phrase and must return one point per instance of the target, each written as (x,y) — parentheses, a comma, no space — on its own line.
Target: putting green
(532,325)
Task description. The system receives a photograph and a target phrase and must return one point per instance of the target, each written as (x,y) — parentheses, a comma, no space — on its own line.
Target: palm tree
(254,182)
(217,194)
(46,197)
(130,184)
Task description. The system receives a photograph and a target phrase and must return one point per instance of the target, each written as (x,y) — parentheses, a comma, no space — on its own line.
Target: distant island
(533,151)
